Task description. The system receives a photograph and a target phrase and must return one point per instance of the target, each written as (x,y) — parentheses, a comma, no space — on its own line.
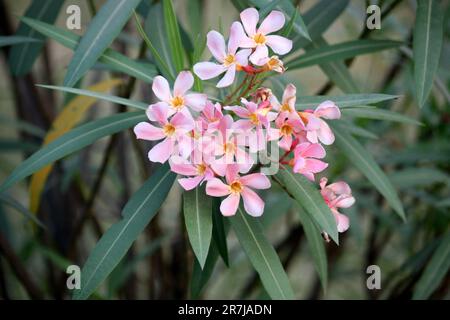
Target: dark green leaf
(12,40)
(344,101)
(173,34)
(379,114)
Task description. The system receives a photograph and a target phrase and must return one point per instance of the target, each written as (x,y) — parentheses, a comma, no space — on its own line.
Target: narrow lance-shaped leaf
(197,216)
(344,101)
(65,121)
(427,44)
(262,255)
(220,230)
(173,34)
(364,161)
(379,114)
(116,241)
(12,40)
(23,56)
(114,59)
(4,198)
(435,271)
(309,198)
(99,95)
(200,276)
(72,141)
(104,28)
(340,51)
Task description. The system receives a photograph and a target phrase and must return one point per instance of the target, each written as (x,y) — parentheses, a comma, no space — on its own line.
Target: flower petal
(325,135)
(196,101)
(345,202)
(229,206)
(328,110)
(239,111)
(216,188)
(228,78)
(242,56)
(237,36)
(231,174)
(314,165)
(256,181)
(279,44)
(161,89)
(208,70)
(340,187)
(216,44)
(253,204)
(272,23)
(180,166)
(159,112)
(190,183)
(259,55)
(183,83)
(250,18)
(146,131)
(162,151)
(180,121)
(342,221)
(289,95)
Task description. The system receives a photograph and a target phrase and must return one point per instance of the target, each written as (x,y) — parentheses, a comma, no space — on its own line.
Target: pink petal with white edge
(190,183)
(216,44)
(180,121)
(325,135)
(272,23)
(256,181)
(160,112)
(177,166)
(237,36)
(342,221)
(314,165)
(250,18)
(239,111)
(149,111)
(183,83)
(279,44)
(196,101)
(314,150)
(161,88)
(229,206)
(228,78)
(253,204)
(289,95)
(232,173)
(328,110)
(216,188)
(146,131)
(242,56)
(162,151)
(259,55)
(345,202)
(340,187)
(208,70)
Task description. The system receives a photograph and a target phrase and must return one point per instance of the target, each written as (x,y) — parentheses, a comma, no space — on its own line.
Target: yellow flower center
(230,59)
(236,187)
(201,168)
(254,118)
(169,130)
(259,38)
(286,130)
(303,117)
(285,107)
(177,102)
(229,147)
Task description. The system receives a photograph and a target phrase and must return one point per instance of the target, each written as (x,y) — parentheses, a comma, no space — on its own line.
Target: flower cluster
(218,143)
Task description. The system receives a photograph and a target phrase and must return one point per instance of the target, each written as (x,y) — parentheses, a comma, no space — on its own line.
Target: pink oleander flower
(235,187)
(337,195)
(197,173)
(254,115)
(306,161)
(287,105)
(318,129)
(170,131)
(180,100)
(211,115)
(289,127)
(229,60)
(260,38)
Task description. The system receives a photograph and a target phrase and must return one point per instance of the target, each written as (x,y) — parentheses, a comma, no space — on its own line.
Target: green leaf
(22,56)
(344,101)
(427,44)
(197,216)
(116,241)
(201,276)
(316,247)
(418,177)
(435,271)
(110,57)
(99,95)
(72,141)
(379,114)
(20,208)
(309,198)
(364,161)
(173,34)
(355,130)
(12,40)
(220,231)
(340,51)
(262,255)
(103,29)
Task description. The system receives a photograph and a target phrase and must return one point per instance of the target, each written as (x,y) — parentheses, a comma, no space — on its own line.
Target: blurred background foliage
(85,192)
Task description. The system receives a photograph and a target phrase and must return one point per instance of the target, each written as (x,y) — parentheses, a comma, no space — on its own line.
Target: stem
(232,94)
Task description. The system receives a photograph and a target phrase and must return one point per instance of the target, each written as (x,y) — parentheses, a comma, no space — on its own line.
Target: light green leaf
(316,247)
(201,276)
(99,95)
(355,130)
(262,255)
(340,51)
(103,29)
(379,114)
(418,177)
(220,230)
(310,199)
(116,60)
(364,161)
(427,44)
(22,56)
(435,271)
(344,101)
(116,241)
(4,198)
(12,40)
(197,216)
(72,141)
(173,34)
